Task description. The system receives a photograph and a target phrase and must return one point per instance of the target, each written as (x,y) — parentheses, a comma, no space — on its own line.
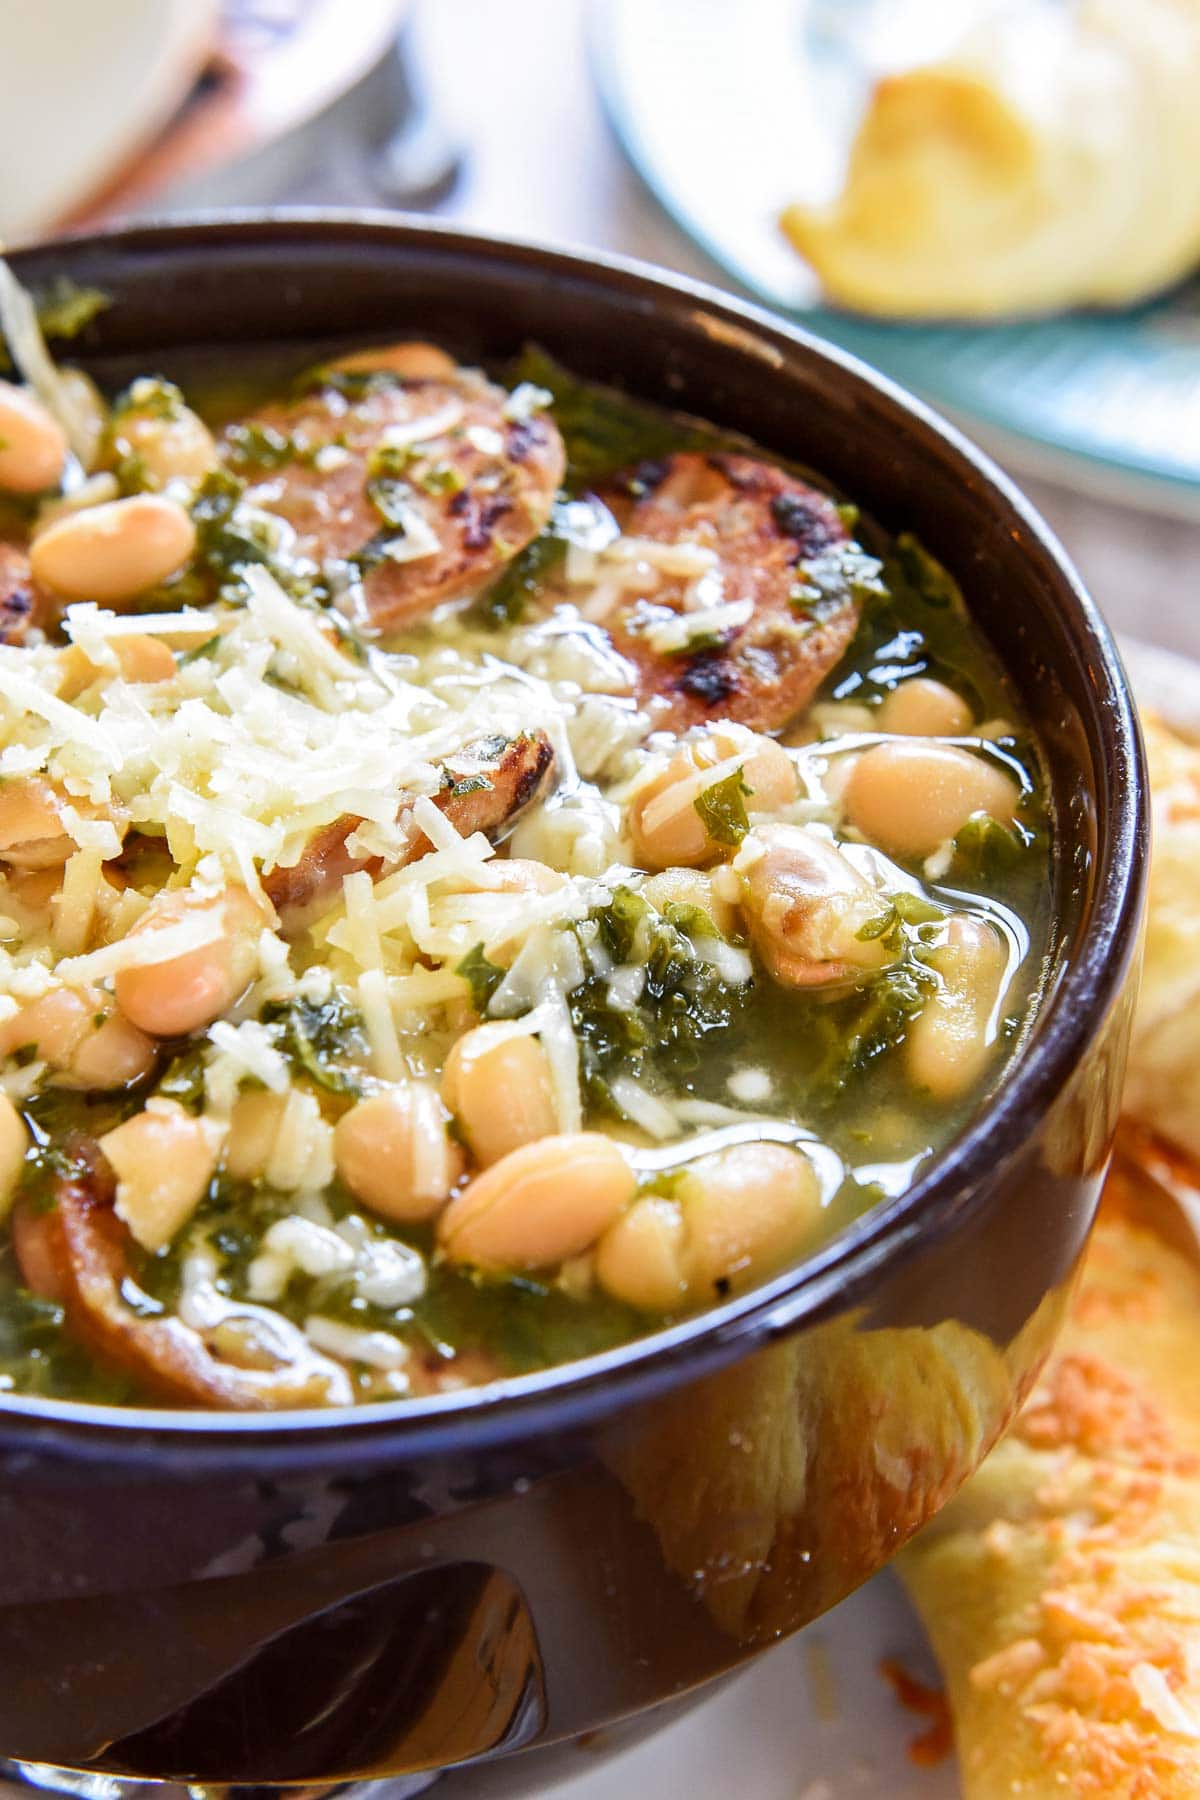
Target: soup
(486,868)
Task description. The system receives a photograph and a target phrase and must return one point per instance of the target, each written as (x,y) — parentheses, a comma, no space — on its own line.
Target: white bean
(183,993)
(33,445)
(163,1159)
(115,551)
(909,797)
(14,1142)
(667,830)
(921,707)
(947,1047)
(501,1093)
(540,1205)
(806,906)
(394,1153)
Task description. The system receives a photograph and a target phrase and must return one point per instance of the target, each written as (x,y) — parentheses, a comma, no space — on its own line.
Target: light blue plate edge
(1101,470)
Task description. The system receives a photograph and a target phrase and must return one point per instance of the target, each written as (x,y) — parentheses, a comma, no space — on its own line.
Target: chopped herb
(323,1038)
(390,461)
(903,908)
(233,1219)
(825,583)
(706,638)
(353,383)
(47,1162)
(491,748)
(470,784)
(605,431)
(224,543)
(877,927)
(441,479)
(64,309)
(373,553)
(391,500)
(149,397)
(869,1023)
(482,976)
(722,809)
(253,446)
(133,476)
(843,1034)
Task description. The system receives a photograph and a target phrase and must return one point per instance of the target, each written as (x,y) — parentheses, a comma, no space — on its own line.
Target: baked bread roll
(1052,160)
(1061,1589)
(1163,1083)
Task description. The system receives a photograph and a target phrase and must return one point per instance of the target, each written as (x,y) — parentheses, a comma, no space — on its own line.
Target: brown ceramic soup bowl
(307,1598)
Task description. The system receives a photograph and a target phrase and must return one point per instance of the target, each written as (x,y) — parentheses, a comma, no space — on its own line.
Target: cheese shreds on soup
(486,868)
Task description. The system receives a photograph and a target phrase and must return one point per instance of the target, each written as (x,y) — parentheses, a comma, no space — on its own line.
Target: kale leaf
(504,602)
(323,1038)
(483,977)
(722,809)
(684,1003)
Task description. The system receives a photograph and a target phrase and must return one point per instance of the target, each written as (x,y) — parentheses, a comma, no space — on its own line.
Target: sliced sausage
(490,783)
(77,1253)
(766,529)
(23,604)
(448,511)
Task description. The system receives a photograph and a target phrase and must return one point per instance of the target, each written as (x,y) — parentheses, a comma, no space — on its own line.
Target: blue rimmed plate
(729,111)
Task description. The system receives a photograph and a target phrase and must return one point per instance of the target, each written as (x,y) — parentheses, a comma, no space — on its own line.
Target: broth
(770,1003)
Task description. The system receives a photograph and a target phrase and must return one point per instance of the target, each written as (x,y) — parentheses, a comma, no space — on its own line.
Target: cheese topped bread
(1061,1589)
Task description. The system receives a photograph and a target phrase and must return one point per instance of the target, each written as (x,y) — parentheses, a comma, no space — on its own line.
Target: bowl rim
(570,1395)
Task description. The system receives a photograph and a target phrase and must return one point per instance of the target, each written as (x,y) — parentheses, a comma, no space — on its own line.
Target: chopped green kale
(224,544)
(391,500)
(323,1039)
(693,921)
(824,583)
(482,976)
(149,397)
(722,809)
(683,1005)
(935,585)
(65,308)
(441,479)
(985,850)
(504,602)
(254,448)
(183,1078)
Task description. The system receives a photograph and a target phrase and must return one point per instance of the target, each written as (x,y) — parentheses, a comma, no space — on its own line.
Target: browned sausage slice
(429,518)
(22,603)
(775,540)
(76,1252)
(490,783)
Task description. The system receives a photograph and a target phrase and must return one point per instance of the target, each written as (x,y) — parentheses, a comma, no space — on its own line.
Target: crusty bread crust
(1061,1589)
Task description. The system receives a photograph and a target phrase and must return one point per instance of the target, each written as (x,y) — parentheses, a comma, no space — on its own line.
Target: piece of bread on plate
(1061,1589)
(1052,160)
(1163,1083)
